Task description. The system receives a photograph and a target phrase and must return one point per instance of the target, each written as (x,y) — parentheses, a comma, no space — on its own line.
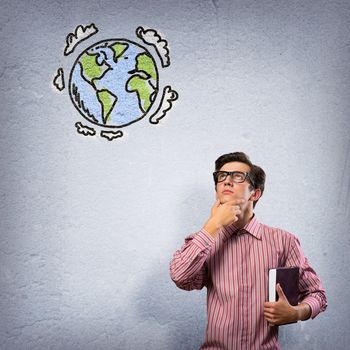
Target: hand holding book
(283,287)
(280,312)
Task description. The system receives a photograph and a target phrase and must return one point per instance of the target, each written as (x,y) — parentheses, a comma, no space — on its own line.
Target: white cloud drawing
(58,80)
(85,130)
(165,105)
(81,33)
(111,135)
(150,36)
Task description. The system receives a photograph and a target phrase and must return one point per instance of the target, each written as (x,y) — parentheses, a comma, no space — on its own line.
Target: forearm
(303,312)
(212,227)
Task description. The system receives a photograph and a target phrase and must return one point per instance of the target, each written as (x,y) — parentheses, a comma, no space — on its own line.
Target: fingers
(269,305)
(280,292)
(215,207)
(235,208)
(236,202)
(279,312)
(234,205)
(216,204)
(271,316)
(226,213)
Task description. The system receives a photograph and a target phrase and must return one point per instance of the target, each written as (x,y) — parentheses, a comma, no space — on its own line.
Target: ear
(256,194)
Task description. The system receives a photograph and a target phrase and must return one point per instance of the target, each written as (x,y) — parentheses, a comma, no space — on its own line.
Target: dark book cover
(288,278)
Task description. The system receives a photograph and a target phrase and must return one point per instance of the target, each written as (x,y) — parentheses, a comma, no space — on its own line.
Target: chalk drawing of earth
(114,83)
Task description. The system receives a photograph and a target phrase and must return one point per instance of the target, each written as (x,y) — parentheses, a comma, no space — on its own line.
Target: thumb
(280,292)
(215,206)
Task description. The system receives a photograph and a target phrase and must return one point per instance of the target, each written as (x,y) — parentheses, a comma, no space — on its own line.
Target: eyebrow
(233,171)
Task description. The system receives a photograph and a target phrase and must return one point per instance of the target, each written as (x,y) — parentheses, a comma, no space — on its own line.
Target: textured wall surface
(88,226)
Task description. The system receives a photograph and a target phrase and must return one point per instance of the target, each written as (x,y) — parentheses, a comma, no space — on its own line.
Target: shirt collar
(252,227)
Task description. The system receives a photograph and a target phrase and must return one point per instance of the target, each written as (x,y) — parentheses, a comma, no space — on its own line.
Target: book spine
(272,284)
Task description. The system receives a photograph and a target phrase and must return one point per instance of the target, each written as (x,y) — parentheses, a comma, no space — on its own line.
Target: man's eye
(221,176)
(238,177)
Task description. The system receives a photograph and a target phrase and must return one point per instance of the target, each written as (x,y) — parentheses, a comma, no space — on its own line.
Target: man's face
(229,190)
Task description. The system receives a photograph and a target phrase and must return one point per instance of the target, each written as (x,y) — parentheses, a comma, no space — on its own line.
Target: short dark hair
(256,174)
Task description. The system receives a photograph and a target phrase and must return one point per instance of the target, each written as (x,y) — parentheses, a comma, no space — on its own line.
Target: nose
(228,181)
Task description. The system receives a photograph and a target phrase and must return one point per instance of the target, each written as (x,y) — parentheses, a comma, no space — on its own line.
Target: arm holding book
(312,298)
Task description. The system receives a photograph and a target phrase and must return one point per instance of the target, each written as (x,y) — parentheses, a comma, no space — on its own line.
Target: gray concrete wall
(88,226)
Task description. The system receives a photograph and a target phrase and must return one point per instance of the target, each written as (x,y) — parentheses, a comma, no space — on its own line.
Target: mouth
(227,192)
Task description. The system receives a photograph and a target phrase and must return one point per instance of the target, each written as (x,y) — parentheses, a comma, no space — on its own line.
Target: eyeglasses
(236,176)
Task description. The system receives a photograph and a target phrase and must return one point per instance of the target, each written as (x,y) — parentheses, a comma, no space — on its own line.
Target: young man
(231,256)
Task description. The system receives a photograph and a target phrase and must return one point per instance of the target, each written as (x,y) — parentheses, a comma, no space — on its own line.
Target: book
(288,278)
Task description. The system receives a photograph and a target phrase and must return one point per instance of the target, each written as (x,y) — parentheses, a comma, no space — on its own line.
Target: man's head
(237,177)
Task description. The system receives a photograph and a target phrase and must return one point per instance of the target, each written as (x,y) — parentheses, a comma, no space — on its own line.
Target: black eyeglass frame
(231,173)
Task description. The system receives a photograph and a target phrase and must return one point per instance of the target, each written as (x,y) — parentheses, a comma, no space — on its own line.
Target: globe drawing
(114,83)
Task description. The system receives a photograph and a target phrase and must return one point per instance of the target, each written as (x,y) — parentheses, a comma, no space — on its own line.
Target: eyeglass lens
(236,176)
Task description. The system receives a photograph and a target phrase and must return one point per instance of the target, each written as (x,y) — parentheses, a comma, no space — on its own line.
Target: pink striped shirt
(234,267)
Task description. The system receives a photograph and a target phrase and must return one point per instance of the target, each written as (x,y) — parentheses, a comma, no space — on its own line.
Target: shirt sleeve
(188,268)
(311,290)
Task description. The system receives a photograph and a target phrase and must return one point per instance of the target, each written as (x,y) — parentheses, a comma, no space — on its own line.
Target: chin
(225,199)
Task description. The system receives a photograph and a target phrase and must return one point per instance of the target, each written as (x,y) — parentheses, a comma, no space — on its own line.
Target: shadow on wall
(176,318)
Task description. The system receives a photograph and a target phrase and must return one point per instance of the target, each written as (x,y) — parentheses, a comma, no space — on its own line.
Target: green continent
(144,82)
(143,90)
(119,50)
(145,63)
(90,68)
(107,100)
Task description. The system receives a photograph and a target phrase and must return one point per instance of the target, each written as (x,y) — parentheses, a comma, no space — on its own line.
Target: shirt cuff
(203,240)
(314,305)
